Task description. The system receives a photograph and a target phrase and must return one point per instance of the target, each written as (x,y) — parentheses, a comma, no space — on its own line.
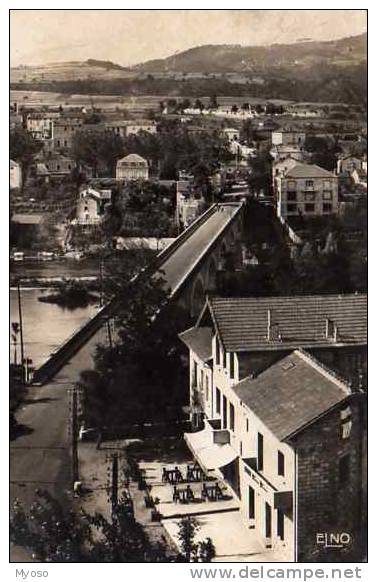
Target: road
(40,457)
(182,261)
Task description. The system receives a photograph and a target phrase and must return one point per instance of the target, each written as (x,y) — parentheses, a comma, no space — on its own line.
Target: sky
(128,37)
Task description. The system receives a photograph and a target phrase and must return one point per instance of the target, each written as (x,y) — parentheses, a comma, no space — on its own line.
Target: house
(90,206)
(282,152)
(189,206)
(306,189)
(288,137)
(132,167)
(274,420)
(281,166)
(63,131)
(348,164)
(15,174)
(230,134)
(360,177)
(123,127)
(40,125)
(55,165)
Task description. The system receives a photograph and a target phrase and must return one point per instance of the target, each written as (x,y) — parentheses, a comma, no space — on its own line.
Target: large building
(276,422)
(132,167)
(288,138)
(306,189)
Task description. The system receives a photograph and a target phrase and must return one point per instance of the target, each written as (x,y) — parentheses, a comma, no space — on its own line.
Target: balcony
(211,446)
(282,498)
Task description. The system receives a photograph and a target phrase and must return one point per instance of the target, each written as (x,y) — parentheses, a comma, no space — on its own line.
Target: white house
(132,167)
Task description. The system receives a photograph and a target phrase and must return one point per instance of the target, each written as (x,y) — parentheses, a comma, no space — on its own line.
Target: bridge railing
(70,346)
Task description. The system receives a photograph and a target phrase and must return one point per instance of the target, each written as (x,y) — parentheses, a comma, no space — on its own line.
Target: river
(45,325)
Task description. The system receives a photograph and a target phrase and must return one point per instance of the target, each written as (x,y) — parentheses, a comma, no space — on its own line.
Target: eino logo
(334,540)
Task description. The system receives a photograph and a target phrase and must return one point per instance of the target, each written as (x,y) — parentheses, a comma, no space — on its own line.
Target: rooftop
(292,393)
(27,218)
(308,171)
(199,340)
(295,321)
(133,158)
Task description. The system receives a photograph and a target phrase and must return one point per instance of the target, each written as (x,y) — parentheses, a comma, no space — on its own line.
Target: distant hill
(68,71)
(333,71)
(259,59)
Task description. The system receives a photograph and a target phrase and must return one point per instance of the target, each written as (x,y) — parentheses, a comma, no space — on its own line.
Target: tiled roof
(132,158)
(199,340)
(299,320)
(308,171)
(291,394)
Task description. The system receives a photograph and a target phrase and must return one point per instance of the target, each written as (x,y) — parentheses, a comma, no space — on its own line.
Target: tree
(260,177)
(199,105)
(322,152)
(234,108)
(57,534)
(99,149)
(187,530)
(138,377)
(192,551)
(213,104)
(23,148)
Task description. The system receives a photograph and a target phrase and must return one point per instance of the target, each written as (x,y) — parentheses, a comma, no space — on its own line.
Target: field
(39,99)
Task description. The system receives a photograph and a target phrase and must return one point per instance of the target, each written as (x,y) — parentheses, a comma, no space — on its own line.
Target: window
(292,196)
(327,185)
(309,207)
(309,184)
(346,422)
(195,378)
(280,524)
(327,207)
(291,208)
(309,196)
(344,470)
(291,185)
(225,412)
(231,369)
(327,195)
(251,503)
(267,520)
(247,425)
(281,464)
(218,401)
(207,388)
(260,451)
(231,416)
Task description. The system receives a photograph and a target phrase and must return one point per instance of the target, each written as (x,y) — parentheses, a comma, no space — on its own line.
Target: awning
(209,455)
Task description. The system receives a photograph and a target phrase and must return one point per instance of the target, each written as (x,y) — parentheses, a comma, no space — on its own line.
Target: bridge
(189,267)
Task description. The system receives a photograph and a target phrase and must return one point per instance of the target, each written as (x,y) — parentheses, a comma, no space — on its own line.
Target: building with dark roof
(306,190)
(284,425)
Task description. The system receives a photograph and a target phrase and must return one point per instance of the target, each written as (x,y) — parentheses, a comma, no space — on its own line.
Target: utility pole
(74,433)
(114,483)
(101,281)
(109,334)
(21,330)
